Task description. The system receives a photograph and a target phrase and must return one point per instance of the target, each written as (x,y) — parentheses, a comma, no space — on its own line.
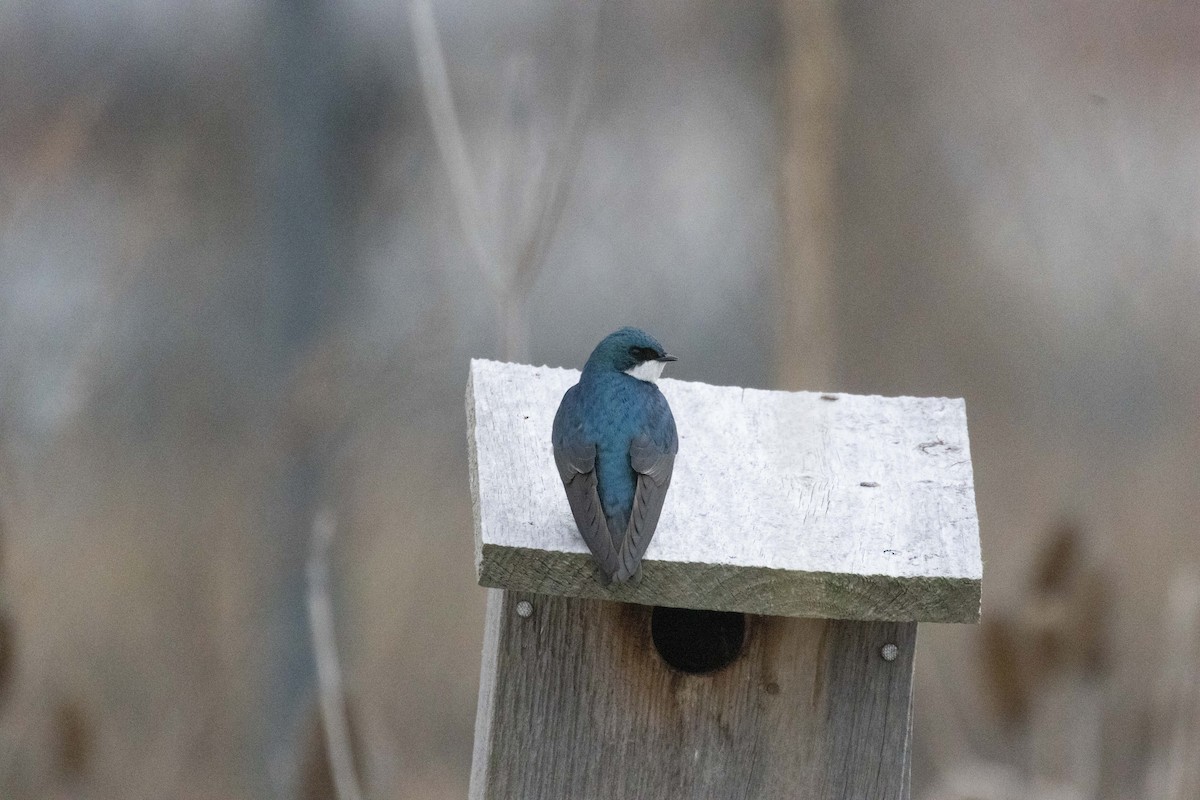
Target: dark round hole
(697,641)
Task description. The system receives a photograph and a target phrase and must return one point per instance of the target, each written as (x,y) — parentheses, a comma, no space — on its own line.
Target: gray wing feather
(577,468)
(654,467)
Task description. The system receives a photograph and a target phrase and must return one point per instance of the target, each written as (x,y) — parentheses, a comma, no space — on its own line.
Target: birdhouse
(767,651)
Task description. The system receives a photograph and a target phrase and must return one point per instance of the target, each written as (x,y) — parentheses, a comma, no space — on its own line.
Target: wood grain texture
(782,503)
(580,705)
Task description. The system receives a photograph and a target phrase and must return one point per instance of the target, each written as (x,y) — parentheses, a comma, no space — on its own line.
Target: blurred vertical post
(302,49)
(811,89)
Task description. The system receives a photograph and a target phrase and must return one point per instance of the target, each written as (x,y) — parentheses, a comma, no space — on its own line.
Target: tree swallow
(615,443)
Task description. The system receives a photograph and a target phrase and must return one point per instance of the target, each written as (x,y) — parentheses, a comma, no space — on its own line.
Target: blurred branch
(447,133)
(550,195)
(329,672)
(523,252)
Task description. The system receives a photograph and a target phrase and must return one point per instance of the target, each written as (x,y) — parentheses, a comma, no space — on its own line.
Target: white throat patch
(648,371)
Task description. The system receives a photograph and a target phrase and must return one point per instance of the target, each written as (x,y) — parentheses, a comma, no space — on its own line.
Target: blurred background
(247,249)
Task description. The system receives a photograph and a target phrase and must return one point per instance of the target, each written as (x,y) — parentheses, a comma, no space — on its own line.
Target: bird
(615,443)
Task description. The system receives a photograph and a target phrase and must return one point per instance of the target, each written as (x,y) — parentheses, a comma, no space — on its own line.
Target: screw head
(524,609)
(889,652)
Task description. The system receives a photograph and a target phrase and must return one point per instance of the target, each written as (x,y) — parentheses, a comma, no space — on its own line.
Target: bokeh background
(247,249)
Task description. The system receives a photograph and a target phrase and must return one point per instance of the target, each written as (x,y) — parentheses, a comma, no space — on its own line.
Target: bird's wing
(654,464)
(577,468)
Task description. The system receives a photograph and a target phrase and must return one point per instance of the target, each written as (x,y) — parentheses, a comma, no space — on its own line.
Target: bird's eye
(642,353)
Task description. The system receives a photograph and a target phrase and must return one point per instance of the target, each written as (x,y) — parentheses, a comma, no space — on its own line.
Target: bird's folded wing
(577,468)
(653,465)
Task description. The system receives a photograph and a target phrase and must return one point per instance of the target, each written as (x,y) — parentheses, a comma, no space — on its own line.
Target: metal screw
(525,609)
(889,652)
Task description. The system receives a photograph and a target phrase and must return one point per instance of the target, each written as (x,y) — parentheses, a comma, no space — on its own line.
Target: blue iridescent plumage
(614,443)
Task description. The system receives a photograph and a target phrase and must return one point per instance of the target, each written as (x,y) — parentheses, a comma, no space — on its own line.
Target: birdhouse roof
(783,503)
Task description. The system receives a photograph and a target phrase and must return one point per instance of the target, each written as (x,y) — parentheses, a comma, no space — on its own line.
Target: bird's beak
(667,357)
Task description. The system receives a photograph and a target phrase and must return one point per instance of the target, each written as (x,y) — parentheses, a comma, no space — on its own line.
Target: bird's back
(618,408)
(614,445)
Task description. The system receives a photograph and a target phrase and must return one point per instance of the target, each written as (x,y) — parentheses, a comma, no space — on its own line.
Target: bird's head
(632,351)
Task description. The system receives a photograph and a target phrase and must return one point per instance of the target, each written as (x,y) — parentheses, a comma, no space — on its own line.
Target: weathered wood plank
(782,503)
(485,707)
(580,705)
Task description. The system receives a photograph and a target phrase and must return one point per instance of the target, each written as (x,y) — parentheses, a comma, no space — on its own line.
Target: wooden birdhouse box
(768,650)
